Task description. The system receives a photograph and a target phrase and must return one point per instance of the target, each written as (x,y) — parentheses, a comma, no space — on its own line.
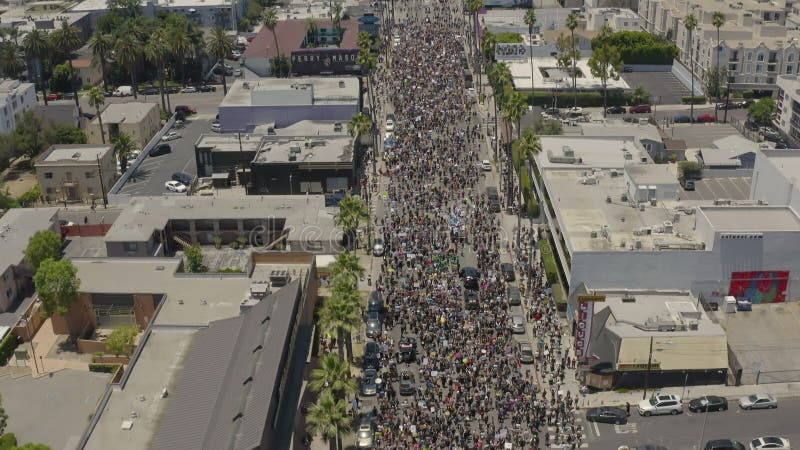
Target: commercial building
(76,173)
(732,152)
(16,97)
(328,52)
(158,226)
(17,226)
(140,121)
(206,13)
(756,46)
(775,178)
(618,19)
(282,102)
(626,332)
(789,105)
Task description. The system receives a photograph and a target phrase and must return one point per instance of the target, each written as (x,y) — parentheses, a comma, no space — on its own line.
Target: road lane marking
(628,428)
(596,429)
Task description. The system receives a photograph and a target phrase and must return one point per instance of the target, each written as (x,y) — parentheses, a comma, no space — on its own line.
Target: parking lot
(737,188)
(663,85)
(149,177)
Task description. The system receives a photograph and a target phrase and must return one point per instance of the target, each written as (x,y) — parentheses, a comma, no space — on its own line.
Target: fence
(684,75)
(77,230)
(746,132)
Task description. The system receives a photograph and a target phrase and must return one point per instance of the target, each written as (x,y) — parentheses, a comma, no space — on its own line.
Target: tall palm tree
(128,52)
(157,51)
(572,23)
(473,6)
(333,376)
(368,61)
(336,20)
(36,44)
(352,211)
(341,314)
(270,19)
(530,21)
(180,44)
(67,39)
(96,101)
(690,23)
(102,46)
(311,33)
(359,125)
(718,20)
(364,40)
(514,108)
(13,35)
(123,146)
(219,45)
(347,265)
(327,418)
(12,60)
(528,146)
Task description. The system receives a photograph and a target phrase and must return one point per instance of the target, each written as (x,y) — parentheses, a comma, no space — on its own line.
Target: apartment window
(771,68)
(89,174)
(759,68)
(130,247)
(770,80)
(48,175)
(749,56)
(49,191)
(89,190)
(789,69)
(734,56)
(761,57)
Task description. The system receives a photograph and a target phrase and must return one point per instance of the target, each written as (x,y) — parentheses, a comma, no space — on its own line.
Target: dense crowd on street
(471,389)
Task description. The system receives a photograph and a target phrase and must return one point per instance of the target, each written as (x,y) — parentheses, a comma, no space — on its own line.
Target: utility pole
(647,374)
(102,184)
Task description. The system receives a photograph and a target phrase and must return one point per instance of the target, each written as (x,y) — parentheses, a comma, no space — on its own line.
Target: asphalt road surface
(686,431)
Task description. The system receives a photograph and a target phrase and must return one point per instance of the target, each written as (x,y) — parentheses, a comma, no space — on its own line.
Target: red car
(53,96)
(640,109)
(705,118)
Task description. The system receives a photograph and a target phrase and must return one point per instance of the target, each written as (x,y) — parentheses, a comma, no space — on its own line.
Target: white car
(171,136)
(189,90)
(517,324)
(770,442)
(378,248)
(237,72)
(215,127)
(389,125)
(364,435)
(758,401)
(661,404)
(175,186)
(486,165)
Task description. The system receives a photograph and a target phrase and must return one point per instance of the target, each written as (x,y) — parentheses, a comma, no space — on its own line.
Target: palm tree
(102,45)
(341,313)
(352,211)
(123,146)
(528,145)
(219,45)
(367,61)
(514,108)
(128,52)
(68,39)
(690,23)
(718,20)
(311,33)
(12,60)
(336,20)
(180,45)
(156,51)
(572,23)
(364,40)
(270,19)
(474,6)
(530,21)
(96,101)
(359,125)
(333,377)
(327,417)
(37,47)
(348,266)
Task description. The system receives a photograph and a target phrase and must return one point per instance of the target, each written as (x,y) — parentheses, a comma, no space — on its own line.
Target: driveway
(663,85)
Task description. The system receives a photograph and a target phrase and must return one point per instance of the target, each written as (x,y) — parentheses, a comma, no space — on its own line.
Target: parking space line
(737,184)
(596,429)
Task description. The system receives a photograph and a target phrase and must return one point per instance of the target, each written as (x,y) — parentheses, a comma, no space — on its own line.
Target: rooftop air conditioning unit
(628,298)
(246,85)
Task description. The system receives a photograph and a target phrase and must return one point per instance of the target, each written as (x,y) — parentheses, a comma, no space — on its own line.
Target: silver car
(526,353)
(517,324)
(364,435)
(758,401)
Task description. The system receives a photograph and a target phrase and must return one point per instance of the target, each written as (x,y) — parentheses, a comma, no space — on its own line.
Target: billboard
(504,51)
(316,61)
(583,328)
(760,286)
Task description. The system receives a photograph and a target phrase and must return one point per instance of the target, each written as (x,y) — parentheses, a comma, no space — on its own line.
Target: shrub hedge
(697,100)
(103,368)
(7,347)
(566,99)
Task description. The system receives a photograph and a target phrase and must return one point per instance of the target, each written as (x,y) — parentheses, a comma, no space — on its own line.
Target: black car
(371,356)
(607,414)
(183,178)
(708,403)
(171,90)
(368,385)
(470,276)
(616,110)
(68,96)
(407,385)
(160,149)
(627,69)
(408,349)
(514,297)
(207,88)
(682,118)
(724,444)
(507,269)
(781,145)
(471,301)
(375,302)
(149,91)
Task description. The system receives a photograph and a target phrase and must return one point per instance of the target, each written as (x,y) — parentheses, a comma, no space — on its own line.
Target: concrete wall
(78,320)
(769,184)
(140,132)
(244,118)
(8,288)
(143,309)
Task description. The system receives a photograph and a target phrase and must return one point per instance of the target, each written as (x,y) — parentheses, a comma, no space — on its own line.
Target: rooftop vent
(341,83)
(628,298)
(76,155)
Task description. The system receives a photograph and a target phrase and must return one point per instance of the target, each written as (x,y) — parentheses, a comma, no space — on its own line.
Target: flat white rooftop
(73,154)
(751,218)
(557,78)
(786,161)
(326,90)
(589,152)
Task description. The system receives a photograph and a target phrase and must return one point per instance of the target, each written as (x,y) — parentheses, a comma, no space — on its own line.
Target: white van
(123,91)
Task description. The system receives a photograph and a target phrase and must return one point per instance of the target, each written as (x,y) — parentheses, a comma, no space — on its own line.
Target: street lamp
(291,190)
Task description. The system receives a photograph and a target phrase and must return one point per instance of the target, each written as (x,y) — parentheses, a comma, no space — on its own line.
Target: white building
(756,46)
(789,105)
(206,13)
(16,97)
(618,19)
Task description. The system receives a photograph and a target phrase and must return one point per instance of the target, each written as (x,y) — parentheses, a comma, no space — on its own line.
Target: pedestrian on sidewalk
(628,408)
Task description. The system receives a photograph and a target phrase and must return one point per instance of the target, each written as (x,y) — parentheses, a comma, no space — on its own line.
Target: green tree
(473,6)
(689,169)
(690,23)
(102,46)
(341,315)
(43,245)
(333,376)
(57,284)
(36,44)
(96,101)
(364,40)
(124,146)
(157,51)
(62,78)
(530,21)
(327,418)
(640,95)
(605,64)
(194,259)
(67,134)
(3,417)
(128,53)
(514,108)
(280,66)
(547,127)
(67,39)
(572,23)
(29,198)
(27,137)
(271,21)
(761,112)
(352,211)
(336,20)
(359,125)
(180,44)
(32,446)
(120,340)
(347,265)
(219,45)
(12,60)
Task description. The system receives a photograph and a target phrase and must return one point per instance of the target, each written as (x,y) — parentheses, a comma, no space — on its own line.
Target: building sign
(584,325)
(317,61)
(591,298)
(505,51)
(630,367)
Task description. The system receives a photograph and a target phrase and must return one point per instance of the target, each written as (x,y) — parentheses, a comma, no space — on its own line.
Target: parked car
(372,355)
(758,401)
(174,186)
(123,91)
(639,109)
(514,297)
(770,442)
(470,276)
(170,136)
(682,118)
(185,110)
(375,302)
(53,96)
(486,165)
(517,324)
(216,128)
(237,72)
(68,96)
(708,403)
(171,90)
(378,249)
(661,404)
(627,69)
(368,385)
(160,149)
(705,118)
(149,91)
(364,435)
(607,414)
(616,110)
(207,88)
(526,355)
(770,134)
(723,444)
(552,112)
(189,90)
(729,105)
(507,269)
(182,178)
(407,384)
(389,125)
(235,55)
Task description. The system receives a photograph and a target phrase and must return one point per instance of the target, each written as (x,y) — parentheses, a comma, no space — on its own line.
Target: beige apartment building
(76,173)
(140,121)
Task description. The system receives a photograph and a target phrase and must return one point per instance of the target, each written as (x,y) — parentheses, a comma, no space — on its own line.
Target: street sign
(591,298)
